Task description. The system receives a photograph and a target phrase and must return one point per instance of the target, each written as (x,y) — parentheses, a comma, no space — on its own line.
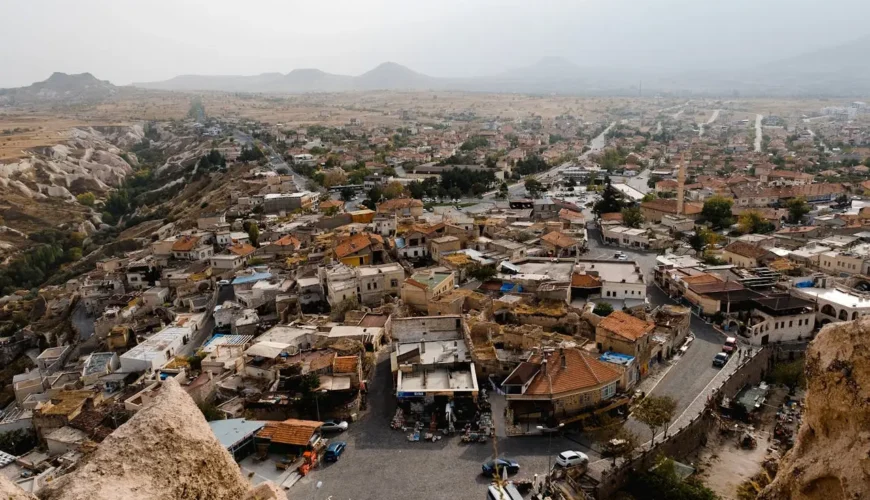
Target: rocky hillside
(60,88)
(166,451)
(831,456)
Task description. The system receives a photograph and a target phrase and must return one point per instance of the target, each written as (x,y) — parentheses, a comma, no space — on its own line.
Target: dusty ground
(725,465)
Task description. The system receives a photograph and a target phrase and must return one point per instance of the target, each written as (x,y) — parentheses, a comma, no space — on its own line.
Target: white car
(571,458)
(223,282)
(334,425)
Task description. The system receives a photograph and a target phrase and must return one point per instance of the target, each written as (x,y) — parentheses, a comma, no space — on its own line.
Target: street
(688,376)
(207,329)
(381,464)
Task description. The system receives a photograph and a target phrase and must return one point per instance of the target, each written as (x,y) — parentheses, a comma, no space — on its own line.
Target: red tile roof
(581,371)
(558,239)
(185,243)
(352,245)
(242,250)
(746,250)
(291,431)
(626,325)
(345,364)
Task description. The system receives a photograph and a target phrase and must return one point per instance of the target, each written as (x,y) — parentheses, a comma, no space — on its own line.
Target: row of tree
(35,265)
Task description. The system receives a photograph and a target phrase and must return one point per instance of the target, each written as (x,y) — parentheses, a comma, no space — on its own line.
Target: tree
(334,177)
(503,191)
(661,482)
(752,221)
(797,208)
(652,181)
(648,197)
(717,211)
(611,200)
(632,217)
(254,234)
(655,412)
(603,309)
(481,273)
(86,199)
(533,187)
(346,194)
(455,193)
(394,189)
(622,445)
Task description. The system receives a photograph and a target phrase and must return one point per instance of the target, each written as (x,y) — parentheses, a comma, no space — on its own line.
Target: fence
(690,430)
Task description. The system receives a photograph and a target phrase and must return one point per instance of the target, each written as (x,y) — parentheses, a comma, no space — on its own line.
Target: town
(410,301)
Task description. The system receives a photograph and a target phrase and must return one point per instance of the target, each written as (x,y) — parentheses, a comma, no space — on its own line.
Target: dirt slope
(9,491)
(831,457)
(166,451)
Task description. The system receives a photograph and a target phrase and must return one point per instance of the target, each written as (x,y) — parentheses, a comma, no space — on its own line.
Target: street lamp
(549,444)
(317,401)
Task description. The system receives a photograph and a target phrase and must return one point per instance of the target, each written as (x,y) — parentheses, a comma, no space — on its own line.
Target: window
(789,324)
(415,253)
(608,391)
(394,283)
(368,286)
(375,286)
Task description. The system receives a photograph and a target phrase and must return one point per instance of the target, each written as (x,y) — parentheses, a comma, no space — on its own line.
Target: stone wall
(689,430)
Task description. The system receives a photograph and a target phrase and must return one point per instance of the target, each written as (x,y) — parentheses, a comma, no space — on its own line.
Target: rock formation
(166,451)
(831,456)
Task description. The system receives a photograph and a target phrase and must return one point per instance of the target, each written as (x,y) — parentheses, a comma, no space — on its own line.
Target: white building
(156,350)
(781,319)
(836,304)
(622,282)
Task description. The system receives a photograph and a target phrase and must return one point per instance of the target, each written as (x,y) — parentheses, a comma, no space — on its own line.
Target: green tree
(648,197)
(632,217)
(346,194)
(603,309)
(533,187)
(254,234)
(481,273)
(503,191)
(655,412)
(661,482)
(797,208)
(86,199)
(717,211)
(651,182)
(753,222)
(611,200)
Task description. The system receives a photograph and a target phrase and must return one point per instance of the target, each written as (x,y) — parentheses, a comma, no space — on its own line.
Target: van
(730,345)
(506,491)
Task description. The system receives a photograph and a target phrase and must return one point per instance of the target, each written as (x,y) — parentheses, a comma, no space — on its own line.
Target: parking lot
(380,463)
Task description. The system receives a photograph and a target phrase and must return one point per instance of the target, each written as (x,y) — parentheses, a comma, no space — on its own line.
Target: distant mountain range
(61,87)
(831,71)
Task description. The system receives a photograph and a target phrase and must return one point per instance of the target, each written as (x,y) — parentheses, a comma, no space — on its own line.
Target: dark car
(334,450)
(511,466)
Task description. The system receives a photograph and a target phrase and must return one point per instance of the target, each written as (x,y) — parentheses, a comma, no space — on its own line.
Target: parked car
(334,426)
(506,491)
(730,345)
(571,458)
(720,359)
(223,282)
(334,450)
(511,466)
(622,256)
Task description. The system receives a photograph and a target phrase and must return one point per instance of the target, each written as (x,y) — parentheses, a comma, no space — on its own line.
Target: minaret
(681,183)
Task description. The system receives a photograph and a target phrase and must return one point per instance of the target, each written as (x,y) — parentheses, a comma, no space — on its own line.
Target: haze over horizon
(126,42)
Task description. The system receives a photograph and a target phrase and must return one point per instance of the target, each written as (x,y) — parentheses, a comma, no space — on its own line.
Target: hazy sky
(136,40)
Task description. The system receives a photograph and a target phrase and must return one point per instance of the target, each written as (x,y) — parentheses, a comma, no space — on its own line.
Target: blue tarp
(252,278)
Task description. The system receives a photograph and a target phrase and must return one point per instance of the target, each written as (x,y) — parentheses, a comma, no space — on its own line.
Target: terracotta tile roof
(185,243)
(288,240)
(325,205)
(720,286)
(242,250)
(581,371)
(746,250)
(670,206)
(398,204)
(571,215)
(291,431)
(345,364)
(352,245)
(701,279)
(579,280)
(557,239)
(626,325)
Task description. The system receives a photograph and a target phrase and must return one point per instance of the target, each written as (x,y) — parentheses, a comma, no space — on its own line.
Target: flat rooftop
(612,270)
(837,296)
(437,380)
(557,271)
(437,352)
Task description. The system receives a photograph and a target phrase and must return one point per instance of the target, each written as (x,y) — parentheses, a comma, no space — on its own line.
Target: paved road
(711,120)
(689,376)
(758,133)
(519,188)
(380,463)
(207,329)
(83,323)
(639,181)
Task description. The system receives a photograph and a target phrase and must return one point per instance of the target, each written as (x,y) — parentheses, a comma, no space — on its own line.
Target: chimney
(422,347)
(544,366)
(681,183)
(562,356)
